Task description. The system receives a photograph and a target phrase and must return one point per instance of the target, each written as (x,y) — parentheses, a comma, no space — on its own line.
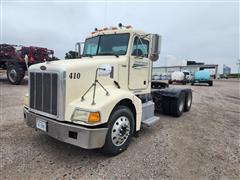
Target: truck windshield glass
(114,44)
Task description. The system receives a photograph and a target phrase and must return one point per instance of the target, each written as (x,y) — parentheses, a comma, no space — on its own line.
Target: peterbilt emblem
(43,68)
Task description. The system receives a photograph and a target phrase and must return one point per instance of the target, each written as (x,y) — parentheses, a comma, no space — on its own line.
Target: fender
(172,92)
(104,104)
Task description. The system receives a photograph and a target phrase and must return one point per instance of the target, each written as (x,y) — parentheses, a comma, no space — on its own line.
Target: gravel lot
(202,144)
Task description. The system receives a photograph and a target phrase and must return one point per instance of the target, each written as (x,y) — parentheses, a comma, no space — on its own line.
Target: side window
(140,47)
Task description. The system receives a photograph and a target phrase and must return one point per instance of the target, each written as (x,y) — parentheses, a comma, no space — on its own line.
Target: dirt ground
(202,144)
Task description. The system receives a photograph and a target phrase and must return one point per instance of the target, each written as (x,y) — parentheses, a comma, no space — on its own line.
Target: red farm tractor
(16,60)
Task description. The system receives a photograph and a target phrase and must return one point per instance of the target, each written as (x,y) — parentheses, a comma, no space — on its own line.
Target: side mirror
(104,70)
(155,47)
(78,49)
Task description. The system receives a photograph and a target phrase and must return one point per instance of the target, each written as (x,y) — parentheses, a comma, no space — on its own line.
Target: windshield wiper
(108,53)
(87,55)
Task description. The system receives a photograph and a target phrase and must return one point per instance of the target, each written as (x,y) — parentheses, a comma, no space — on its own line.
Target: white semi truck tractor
(101,99)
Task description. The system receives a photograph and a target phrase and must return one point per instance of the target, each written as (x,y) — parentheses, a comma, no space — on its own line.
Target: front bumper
(202,81)
(73,134)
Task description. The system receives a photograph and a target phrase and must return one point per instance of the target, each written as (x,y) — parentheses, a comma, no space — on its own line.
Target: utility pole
(238,63)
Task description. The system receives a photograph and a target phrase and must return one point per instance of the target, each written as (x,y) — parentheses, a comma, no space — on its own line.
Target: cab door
(139,64)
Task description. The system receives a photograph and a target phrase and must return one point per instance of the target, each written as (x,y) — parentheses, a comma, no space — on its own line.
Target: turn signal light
(94,117)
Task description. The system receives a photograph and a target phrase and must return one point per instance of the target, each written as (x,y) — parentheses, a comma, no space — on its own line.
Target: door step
(151,121)
(148,117)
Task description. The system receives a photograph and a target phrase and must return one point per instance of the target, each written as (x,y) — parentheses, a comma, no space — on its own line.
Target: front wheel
(120,131)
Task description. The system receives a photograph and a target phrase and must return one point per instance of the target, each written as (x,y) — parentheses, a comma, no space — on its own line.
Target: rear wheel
(174,106)
(169,82)
(188,101)
(15,74)
(210,83)
(192,83)
(120,131)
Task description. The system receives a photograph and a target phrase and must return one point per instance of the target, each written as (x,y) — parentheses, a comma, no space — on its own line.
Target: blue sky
(201,31)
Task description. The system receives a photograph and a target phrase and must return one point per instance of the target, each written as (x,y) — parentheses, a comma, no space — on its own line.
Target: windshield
(113,44)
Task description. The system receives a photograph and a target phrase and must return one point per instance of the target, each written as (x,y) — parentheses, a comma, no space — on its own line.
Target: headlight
(85,116)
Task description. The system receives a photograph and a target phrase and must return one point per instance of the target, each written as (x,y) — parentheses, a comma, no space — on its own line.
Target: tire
(169,82)
(210,83)
(15,74)
(192,83)
(188,101)
(171,106)
(184,82)
(120,118)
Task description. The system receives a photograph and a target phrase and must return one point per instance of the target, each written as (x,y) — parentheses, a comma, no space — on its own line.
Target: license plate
(42,125)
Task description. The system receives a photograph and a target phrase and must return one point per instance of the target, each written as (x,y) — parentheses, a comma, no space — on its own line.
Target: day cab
(101,98)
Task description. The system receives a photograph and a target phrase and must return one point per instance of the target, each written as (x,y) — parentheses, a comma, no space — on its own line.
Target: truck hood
(65,65)
(79,74)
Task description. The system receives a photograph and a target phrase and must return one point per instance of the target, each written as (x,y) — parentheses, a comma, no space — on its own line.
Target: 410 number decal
(74,75)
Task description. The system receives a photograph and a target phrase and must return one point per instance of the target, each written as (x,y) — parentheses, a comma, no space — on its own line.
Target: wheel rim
(12,75)
(189,100)
(181,106)
(120,131)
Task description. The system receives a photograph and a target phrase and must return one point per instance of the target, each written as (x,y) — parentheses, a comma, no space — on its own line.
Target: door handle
(138,57)
(139,66)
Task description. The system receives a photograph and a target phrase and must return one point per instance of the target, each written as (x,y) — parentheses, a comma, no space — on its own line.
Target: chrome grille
(44,92)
